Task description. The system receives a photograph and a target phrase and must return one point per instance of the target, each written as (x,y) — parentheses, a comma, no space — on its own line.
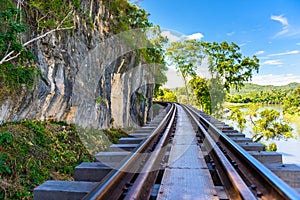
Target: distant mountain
(250,87)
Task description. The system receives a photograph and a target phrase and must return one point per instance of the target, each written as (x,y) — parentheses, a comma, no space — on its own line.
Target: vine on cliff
(20,71)
(17,62)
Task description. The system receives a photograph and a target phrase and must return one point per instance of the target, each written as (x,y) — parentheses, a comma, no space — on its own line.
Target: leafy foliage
(20,72)
(288,96)
(49,14)
(201,92)
(165,95)
(185,56)
(32,152)
(267,125)
(291,103)
(238,116)
(227,62)
(126,16)
(228,68)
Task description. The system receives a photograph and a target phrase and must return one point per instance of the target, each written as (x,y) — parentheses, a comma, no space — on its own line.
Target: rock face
(90,78)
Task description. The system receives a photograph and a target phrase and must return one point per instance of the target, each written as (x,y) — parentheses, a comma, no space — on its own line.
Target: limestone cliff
(88,77)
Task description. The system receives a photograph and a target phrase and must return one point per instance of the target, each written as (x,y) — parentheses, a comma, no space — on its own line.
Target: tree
(270,126)
(185,56)
(291,103)
(228,68)
(238,116)
(227,63)
(201,92)
(17,63)
(165,95)
(12,27)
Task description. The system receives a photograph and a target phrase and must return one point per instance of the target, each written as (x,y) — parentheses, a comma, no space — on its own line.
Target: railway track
(242,176)
(140,166)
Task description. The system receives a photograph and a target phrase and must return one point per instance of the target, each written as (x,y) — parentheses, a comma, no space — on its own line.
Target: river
(290,149)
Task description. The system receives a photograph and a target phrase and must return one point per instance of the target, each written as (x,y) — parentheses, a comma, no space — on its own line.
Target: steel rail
(242,190)
(142,187)
(277,188)
(107,188)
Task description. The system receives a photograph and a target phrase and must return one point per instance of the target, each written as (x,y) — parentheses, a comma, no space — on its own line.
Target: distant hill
(250,87)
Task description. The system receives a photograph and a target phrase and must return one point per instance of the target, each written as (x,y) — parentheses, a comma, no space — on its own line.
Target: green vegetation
(166,95)
(126,16)
(262,94)
(201,93)
(17,62)
(288,96)
(184,56)
(238,116)
(32,152)
(14,74)
(228,69)
(51,14)
(291,102)
(100,100)
(271,126)
(267,124)
(227,63)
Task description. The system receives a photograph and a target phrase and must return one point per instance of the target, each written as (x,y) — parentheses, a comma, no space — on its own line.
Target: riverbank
(288,148)
(293,119)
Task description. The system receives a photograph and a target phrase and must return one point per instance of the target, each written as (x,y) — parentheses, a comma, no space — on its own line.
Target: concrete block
(241,139)
(252,146)
(267,157)
(290,173)
(139,135)
(230,131)
(226,128)
(93,171)
(56,190)
(122,147)
(234,134)
(143,131)
(130,140)
(109,157)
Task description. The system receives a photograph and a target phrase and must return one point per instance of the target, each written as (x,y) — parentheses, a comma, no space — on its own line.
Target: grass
(32,152)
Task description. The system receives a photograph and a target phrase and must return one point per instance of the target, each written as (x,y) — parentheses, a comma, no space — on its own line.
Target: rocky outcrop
(88,77)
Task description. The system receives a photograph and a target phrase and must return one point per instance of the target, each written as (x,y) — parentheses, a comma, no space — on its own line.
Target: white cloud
(284,22)
(285,53)
(174,36)
(271,79)
(287,29)
(272,62)
(280,19)
(298,43)
(244,44)
(171,36)
(230,34)
(196,36)
(259,53)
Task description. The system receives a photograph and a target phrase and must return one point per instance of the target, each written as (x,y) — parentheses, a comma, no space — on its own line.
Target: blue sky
(269,29)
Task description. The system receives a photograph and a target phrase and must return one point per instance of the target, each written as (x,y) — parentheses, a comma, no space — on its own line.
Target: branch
(44,35)
(8,58)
